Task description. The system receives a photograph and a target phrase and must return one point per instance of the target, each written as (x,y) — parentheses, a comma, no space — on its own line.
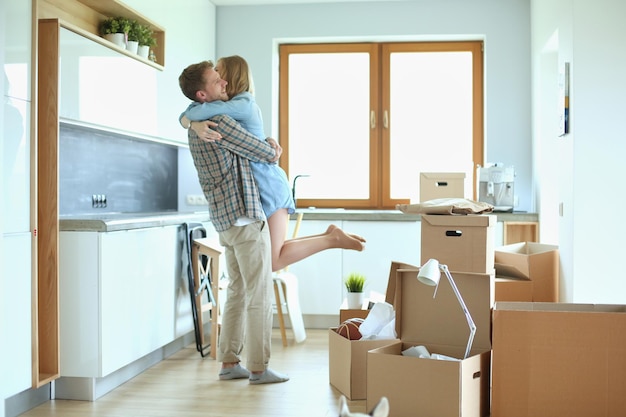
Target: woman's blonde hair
(236,71)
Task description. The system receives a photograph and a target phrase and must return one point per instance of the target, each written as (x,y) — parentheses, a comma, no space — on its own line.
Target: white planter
(131,46)
(117,38)
(355,300)
(143,51)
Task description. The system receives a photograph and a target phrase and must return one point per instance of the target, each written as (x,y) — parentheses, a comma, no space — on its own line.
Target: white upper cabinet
(15,39)
(100,86)
(15,57)
(15,191)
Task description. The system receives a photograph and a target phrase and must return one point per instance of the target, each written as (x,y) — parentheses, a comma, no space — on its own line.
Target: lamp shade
(429,273)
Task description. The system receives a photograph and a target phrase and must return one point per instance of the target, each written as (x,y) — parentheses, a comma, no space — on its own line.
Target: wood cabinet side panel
(46,331)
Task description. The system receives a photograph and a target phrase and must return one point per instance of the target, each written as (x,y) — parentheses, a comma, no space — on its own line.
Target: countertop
(111,222)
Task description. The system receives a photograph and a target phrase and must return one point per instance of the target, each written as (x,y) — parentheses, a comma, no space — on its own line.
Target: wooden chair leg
(279,311)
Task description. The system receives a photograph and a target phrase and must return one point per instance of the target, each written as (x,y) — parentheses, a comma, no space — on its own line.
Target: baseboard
(90,389)
(26,400)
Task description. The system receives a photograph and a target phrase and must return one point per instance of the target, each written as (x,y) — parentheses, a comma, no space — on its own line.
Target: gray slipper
(236,372)
(267,377)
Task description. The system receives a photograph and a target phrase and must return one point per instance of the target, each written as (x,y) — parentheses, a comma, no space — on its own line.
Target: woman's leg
(287,252)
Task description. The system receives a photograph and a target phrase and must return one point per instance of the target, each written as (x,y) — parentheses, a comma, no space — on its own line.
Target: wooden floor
(186,385)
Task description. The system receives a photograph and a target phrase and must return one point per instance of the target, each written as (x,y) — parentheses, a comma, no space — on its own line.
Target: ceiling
(265,2)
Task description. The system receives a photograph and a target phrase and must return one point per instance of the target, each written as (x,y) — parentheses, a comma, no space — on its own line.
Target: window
(363,120)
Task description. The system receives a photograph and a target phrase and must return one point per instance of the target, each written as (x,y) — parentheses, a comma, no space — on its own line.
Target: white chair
(287,298)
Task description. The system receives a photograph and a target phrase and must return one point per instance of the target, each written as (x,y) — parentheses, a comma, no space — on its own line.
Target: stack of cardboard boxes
(370,369)
(430,387)
(531,356)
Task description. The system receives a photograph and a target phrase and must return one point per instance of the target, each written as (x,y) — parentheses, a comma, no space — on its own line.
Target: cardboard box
(513,289)
(532,261)
(347,363)
(429,387)
(464,243)
(435,185)
(557,359)
(347,359)
(345,314)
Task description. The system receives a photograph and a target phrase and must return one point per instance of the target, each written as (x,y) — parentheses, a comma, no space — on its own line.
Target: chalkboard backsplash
(105,172)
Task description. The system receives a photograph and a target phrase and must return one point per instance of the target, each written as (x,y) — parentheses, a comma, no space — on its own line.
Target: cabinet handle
(373,119)
(386,119)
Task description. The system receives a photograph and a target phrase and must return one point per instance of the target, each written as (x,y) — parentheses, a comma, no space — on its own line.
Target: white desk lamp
(430,274)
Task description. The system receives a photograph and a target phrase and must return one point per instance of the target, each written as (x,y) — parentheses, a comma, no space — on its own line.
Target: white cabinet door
(319,276)
(15,190)
(15,50)
(117,297)
(15,314)
(137,293)
(386,242)
(79,304)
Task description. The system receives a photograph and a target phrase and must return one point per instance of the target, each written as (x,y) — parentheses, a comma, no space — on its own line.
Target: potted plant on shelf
(134,33)
(146,40)
(115,29)
(354,284)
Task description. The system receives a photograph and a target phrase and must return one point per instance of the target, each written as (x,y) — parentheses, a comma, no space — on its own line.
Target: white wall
(504,25)
(588,177)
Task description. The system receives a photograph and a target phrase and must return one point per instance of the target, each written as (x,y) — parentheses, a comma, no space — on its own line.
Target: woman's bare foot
(343,240)
(352,235)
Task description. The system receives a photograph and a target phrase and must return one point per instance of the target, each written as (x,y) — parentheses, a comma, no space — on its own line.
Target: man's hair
(191,80)
(236,71)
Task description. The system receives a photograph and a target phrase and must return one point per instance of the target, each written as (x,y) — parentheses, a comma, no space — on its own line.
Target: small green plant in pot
(115,29)
(355,282)
(146,39)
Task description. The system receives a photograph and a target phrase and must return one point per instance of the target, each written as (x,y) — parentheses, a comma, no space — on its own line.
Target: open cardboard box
(536,262)
(347,359)
(559,359)
(464,243)
(429,387)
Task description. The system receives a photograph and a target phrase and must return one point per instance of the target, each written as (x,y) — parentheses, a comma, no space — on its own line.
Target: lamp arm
(468,316)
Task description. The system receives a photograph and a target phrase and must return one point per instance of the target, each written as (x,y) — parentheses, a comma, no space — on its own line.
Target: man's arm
(241,142)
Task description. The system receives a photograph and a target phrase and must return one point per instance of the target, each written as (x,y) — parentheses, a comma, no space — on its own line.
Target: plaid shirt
(224,172)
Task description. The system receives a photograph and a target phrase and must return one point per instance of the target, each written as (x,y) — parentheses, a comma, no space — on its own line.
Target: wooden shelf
(515,232)
(84,17)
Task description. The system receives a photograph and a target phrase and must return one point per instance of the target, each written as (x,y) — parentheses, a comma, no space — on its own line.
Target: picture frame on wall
(564,87)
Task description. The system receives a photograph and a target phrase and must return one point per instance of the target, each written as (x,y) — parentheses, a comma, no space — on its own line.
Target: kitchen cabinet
(101,87)
(16,166)
(15,51)
(386,242)
(16,314)
(119,292)
(16,240)
(319,276)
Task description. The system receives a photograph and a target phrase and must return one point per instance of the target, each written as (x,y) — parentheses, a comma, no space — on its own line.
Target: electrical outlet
(98,200)
(196,200)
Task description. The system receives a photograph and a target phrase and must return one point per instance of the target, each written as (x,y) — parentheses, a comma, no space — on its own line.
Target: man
(235,208)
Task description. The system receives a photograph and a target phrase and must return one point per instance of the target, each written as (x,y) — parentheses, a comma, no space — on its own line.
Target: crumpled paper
(446,206)
(380,322)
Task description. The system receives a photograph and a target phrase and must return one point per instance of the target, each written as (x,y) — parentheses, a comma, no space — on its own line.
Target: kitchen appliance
(496,186)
